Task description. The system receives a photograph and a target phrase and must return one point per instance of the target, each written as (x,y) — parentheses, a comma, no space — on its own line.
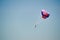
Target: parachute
(44,14)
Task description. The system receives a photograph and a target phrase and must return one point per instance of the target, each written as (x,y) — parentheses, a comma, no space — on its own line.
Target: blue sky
(18,19)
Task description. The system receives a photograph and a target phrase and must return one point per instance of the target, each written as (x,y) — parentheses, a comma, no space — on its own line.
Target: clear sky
(18,19)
